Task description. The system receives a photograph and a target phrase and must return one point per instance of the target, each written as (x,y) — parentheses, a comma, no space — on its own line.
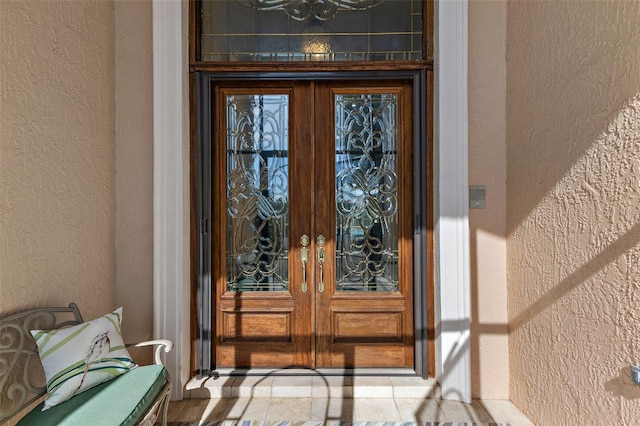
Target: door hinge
(204,225)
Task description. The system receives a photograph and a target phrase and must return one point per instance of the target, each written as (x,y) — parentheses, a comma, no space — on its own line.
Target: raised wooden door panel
(364,210)
(262,316)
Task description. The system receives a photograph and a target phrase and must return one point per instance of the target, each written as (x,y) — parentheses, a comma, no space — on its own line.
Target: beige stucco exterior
(573,160)
(57,155)
(554,135)
(487,227)
(134,166)
(67,233)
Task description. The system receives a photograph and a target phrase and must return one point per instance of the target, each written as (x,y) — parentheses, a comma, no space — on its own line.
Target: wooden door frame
(423,275)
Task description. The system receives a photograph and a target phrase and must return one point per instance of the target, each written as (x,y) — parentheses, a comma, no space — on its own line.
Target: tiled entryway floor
(375,399)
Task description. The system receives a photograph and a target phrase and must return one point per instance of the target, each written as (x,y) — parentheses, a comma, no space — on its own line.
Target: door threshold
(334,372)
(305,383)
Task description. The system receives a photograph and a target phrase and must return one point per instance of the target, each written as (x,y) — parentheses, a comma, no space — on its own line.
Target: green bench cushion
(121,401)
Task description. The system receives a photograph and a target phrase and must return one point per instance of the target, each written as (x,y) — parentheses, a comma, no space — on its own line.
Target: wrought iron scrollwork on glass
(310,30)
(257,193)
(366,192)
(301,10)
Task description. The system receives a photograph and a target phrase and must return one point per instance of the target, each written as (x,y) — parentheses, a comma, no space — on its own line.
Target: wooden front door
(312,236)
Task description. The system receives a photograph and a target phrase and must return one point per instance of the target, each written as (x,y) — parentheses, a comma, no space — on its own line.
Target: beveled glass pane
(366,192)
(257,192)
(311,30)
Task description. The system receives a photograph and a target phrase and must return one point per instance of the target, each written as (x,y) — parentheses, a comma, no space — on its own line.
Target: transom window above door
(311,30)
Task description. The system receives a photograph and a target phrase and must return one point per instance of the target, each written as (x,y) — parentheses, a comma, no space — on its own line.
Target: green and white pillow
(78,358)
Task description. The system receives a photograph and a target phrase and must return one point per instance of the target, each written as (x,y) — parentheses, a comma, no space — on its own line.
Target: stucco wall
(134,167)
(57,169)
(487,166)
(573,138)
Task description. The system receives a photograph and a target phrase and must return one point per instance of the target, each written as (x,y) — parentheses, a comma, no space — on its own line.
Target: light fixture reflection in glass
(315,46)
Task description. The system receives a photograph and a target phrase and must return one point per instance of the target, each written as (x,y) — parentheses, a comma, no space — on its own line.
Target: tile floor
(321,398)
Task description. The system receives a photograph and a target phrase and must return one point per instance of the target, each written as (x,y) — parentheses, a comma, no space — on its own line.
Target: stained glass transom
(366,192)
(257,192)
(311,30)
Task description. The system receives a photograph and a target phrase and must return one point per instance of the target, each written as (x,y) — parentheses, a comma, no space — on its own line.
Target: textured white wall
(573,155)
(57,170)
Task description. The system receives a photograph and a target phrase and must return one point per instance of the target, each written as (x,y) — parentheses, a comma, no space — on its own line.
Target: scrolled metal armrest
(160,345)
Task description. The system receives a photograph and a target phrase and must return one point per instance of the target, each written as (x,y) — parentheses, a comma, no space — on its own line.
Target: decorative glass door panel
(313,258)
(257,192)
(366,192)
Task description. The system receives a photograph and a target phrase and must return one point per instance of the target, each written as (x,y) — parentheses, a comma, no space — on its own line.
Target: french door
(312,236)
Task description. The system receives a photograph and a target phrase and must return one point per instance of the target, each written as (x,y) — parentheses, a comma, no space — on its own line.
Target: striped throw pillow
(80,357)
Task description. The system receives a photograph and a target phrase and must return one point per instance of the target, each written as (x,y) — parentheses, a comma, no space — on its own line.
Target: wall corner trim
(453,368)
(169,195)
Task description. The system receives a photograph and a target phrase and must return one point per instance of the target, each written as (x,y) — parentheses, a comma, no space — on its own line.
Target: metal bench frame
(22,380)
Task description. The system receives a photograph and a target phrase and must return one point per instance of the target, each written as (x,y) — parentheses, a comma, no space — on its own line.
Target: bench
(138,397)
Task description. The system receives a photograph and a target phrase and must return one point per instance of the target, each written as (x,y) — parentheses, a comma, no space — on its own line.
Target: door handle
(304,258)
(321,259)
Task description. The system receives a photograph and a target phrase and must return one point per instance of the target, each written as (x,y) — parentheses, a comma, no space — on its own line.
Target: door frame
(204,291)
(172,265)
